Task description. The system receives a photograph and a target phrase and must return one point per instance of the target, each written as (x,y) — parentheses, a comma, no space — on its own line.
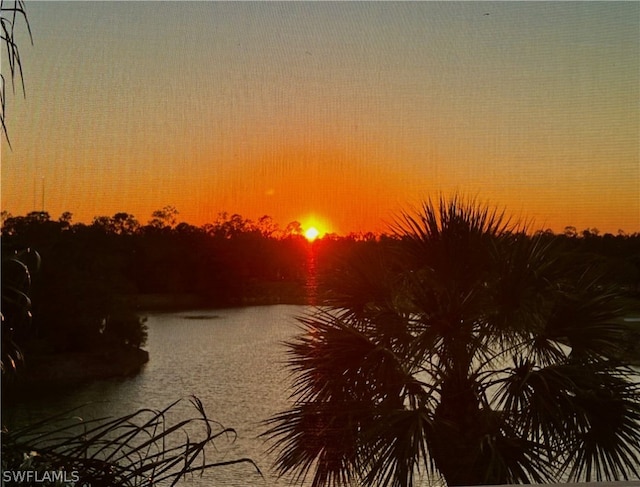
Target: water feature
(232,359)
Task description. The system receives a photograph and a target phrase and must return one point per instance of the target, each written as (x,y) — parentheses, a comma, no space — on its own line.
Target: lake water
(232,359)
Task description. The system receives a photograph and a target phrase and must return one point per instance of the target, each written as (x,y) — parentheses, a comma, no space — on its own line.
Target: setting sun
(311,234)
(315,226)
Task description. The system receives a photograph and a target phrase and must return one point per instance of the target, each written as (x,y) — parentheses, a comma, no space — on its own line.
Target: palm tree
(466,350)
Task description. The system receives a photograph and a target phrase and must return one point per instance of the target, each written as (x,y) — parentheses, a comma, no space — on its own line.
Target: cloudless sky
(346,111)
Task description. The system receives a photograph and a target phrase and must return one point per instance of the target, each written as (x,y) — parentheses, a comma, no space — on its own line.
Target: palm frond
(468,349)
(607,444)
(139,449)
(396,450)
(10,13)
(322,435)
(506,456)
(586,414)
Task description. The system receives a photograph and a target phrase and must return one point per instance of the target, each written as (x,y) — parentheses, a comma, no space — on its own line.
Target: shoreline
(142,303)
(55,370)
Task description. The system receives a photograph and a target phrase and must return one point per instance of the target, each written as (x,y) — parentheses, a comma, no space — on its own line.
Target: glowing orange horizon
(315,226)
(275,130)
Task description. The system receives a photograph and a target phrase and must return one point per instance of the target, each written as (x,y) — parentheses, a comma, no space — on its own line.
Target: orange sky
(347,111)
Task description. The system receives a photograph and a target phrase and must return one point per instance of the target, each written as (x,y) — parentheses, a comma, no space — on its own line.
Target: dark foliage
(464,348)
(17,269)
(90,272)
(74,298)
(140,449)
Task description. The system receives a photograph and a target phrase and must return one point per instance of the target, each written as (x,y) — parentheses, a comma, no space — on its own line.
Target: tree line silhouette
(84,294)
(393,302)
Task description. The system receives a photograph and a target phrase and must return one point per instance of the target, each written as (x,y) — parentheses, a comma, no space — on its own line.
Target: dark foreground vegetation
(463,348)
(139,449)
(390,365)
(144,448)
(86,284)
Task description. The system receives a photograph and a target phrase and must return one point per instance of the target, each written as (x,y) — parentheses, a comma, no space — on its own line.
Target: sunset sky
(349,111)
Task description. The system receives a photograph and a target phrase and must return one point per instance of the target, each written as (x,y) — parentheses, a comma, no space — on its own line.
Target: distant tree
(293,228)
(468,350)
(35,229)
(125,224)
(266,226)
(227,226)
(570,231)
(65,219)
(4,215)
(119,224)
(362,236)
(164,218)
(590,232)
(187,229)
(103,223)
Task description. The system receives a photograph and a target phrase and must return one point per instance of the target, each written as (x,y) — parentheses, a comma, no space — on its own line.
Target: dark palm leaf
(138,449)
(467,349)
(17,271)
(10,13)
(396,448)
(607,445)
